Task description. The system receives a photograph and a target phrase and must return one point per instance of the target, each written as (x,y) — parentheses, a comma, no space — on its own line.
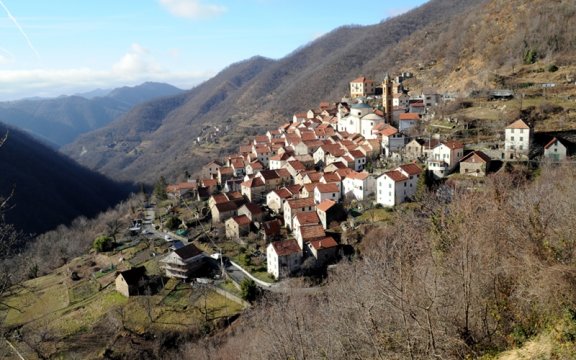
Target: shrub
(103,243)
(173,223)
(248,290)
(552,68)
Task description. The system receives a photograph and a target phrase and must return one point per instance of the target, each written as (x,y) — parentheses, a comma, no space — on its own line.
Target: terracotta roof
(242,220)
(389,131)
(325,205)
(312,232)
(272,227)
(357,175)
(518,124)
(453,144)
(297,165)
(411,169)
(209,182)
(300,203)
(245,148)
(226,206)
(286,247)
(331,177)
(219,198)
(283,173)
(283,193)
(343,172)
(268,175)
(238,164)
(314,176)
(188,251)
(294,189)
(327,188)
(552,142)
(181,186)
(235,195)
(324,243)
(409,116)
(356,154)
(307,218)
(256,165)
(261,139)
(477,157)
(252,183)
(254,209)
(279,157)
(226,170)
(361,79)
(396,175)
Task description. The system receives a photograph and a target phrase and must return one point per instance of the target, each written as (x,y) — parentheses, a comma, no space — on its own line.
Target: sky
(61,47)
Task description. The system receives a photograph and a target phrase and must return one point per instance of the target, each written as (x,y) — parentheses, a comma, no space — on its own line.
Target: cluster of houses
(297,176)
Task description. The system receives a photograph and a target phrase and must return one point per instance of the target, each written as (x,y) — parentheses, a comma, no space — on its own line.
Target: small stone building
(131,282)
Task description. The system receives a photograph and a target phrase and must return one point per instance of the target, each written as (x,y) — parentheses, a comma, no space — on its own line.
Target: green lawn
(375,215)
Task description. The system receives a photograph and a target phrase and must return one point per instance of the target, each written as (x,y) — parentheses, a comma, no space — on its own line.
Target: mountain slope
(49,188)
(60,120)
(444,42)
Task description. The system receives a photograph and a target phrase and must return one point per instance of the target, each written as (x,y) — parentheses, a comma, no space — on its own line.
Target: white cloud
(193,9)
(135,67)
(135,61)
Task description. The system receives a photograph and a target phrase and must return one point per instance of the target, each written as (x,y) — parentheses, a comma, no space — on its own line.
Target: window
(521,147)
(404,184)
(390,186)
(521,138)
(511,138)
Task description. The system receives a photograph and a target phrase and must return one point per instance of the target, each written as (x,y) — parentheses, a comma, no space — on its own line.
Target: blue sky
(54,47)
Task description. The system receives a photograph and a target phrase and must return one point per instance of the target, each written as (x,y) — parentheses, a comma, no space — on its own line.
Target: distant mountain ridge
(453,45)
(49,188)
(60,120)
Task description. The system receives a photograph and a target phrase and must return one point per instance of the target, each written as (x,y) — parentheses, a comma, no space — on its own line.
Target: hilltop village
(296,190)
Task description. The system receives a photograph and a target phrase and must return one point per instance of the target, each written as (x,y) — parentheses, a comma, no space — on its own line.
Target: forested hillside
(49,189)
(455,46)
(250,96)
(59,121)
(453,280)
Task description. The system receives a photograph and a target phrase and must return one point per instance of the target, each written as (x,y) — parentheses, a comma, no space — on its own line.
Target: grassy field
(58,312)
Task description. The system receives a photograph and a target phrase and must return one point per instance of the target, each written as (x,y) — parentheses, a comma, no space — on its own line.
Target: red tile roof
(252,183)
(453,144)
(227,206)
(219,198)
(300,203)
(476,157)
(324,243)
(325,205)
(327,188)
(361,79)
(518,124)
(409,116)
(357,175)
(396,176)
(286,247)
(411,169)
(311,232)
(552,142)
(242,220)
(307,218)
(331,177)
(254,209)
(272,227)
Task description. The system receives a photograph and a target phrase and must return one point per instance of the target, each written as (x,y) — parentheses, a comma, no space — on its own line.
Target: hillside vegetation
(49,188)
(480,274)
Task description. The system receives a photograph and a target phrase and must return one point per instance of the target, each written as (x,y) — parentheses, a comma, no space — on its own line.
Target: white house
(516,141)
(182,262)
(392,140)
(555,150)
(444,157)
(283,257)
(278,161)
(358,185)
(295,206)
(329,191)
(408,121)
(360,120)
(396,186)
